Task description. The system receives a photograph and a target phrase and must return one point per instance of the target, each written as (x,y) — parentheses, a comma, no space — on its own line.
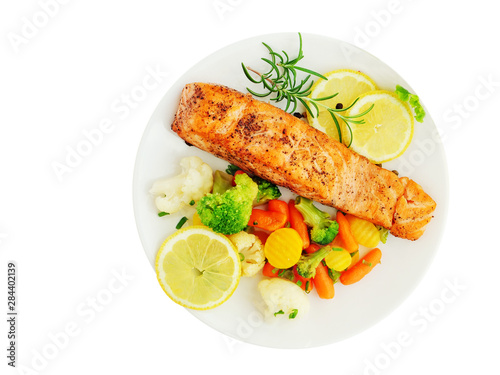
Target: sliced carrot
(345,233)
(297,223)
(283,248)
(364,232)
(279,206)
(323,283)
(267,220)
(361,268)
(338,260)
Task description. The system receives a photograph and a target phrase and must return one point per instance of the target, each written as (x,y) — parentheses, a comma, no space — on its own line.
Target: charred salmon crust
(270,143)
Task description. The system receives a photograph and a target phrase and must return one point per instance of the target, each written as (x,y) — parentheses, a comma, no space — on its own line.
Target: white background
(65,67)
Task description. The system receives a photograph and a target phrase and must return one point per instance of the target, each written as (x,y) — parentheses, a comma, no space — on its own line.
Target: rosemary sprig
(282,81)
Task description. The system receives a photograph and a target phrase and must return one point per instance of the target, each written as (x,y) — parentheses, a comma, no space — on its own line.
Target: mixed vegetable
(295,245)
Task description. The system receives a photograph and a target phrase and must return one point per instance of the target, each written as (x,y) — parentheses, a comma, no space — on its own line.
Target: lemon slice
(349,84)
(198,268)
(387,130)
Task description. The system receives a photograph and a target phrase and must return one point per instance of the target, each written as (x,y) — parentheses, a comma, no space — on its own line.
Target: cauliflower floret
(283,298)
(173,193)
(251,250)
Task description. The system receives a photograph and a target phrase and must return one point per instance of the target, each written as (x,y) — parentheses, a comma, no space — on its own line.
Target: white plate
(354,308)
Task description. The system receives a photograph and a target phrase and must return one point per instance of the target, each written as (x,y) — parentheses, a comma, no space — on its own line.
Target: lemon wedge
(198,268)
(387,129)
(349,84)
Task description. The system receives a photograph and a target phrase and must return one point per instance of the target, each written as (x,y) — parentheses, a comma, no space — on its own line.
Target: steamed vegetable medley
(296,247)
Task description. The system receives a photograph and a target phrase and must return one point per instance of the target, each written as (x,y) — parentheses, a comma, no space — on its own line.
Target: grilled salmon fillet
(272,144)
(413,211)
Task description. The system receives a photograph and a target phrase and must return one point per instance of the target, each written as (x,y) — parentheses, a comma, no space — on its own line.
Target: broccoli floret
(323,229)
(307,264)
(267,191)
(228,213)
(222,182)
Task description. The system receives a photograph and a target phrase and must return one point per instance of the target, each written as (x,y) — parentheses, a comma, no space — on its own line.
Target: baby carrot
(305,283)
(354,259)
(338,242)
(269,270)
(261,235)
(345,233)
(312,248)
(267,220)
(297,223)
(279,206)
(323,282)
(361,268)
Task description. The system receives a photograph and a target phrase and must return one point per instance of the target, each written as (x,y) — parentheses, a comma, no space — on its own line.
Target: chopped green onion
(181,222)
(293,314)
(161,214)
(334,275)
(242,257)
(279,312)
